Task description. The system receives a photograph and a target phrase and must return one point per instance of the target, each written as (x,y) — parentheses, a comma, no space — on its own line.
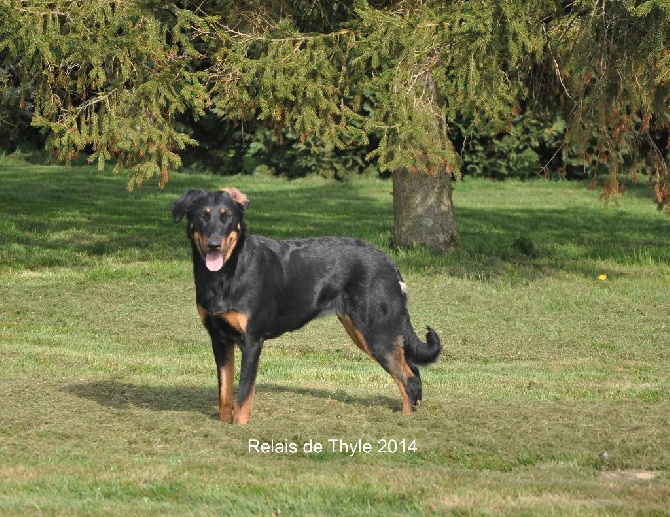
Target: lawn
(552,395)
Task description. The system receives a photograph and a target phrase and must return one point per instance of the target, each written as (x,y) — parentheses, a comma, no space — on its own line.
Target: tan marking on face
(201,244)
(237,320)
(227,373)
(243,412)
(229,245)
(355,334)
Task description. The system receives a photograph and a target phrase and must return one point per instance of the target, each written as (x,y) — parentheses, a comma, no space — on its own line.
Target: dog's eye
(205,215)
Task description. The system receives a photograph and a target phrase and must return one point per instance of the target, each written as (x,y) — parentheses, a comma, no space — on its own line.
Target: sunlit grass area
(552,395)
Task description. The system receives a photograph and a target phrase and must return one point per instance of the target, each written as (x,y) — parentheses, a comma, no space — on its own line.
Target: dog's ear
(185,203)
(240,198)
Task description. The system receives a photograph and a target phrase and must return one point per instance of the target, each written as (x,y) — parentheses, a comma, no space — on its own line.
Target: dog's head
(215,222)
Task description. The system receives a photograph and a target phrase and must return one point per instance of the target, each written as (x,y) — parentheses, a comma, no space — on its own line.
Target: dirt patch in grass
(630,475)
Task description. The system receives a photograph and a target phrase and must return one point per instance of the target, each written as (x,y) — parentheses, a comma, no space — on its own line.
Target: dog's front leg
(251,352)
(224,355)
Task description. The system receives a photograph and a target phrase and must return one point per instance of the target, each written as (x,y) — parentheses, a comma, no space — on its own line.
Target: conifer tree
(111,77)
(105,76)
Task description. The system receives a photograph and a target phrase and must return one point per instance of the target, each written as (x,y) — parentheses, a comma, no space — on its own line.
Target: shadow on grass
(51,216)
(66,219)
(587,232)
(121,395)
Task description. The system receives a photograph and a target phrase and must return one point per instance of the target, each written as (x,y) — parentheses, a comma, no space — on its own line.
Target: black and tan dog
(251,288)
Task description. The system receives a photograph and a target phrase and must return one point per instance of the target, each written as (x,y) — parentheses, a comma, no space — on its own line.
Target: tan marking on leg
(406,407)
(227,373)
(400,358)
(203,313)
(243,412)
(355,334)
(237,320)
(401,372)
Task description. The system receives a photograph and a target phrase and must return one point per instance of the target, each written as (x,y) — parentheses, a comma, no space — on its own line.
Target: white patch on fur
(403,288)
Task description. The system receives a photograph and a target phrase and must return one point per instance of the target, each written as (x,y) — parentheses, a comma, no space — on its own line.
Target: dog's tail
(418,352)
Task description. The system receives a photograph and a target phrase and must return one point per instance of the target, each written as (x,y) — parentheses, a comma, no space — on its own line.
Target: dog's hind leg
(415,371)
(245,390)
(405,375)
(355,334)
(390,355)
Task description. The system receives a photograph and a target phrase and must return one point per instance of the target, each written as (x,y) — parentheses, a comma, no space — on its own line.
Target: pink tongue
(214,261)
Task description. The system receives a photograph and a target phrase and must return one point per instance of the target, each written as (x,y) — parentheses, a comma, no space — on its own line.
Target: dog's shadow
(123,395)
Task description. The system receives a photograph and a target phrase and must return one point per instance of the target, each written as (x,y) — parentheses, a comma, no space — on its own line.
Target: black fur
(261,288)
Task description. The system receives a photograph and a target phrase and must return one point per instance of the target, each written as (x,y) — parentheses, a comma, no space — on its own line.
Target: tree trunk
(423,210)
(422,206)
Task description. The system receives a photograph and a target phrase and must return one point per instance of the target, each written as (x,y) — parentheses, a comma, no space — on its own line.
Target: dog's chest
(215,294)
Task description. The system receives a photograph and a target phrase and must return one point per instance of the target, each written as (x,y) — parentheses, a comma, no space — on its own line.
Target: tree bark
(423,210)
(422,205)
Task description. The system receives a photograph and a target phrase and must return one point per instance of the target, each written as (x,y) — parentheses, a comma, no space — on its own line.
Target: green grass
(552,395)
